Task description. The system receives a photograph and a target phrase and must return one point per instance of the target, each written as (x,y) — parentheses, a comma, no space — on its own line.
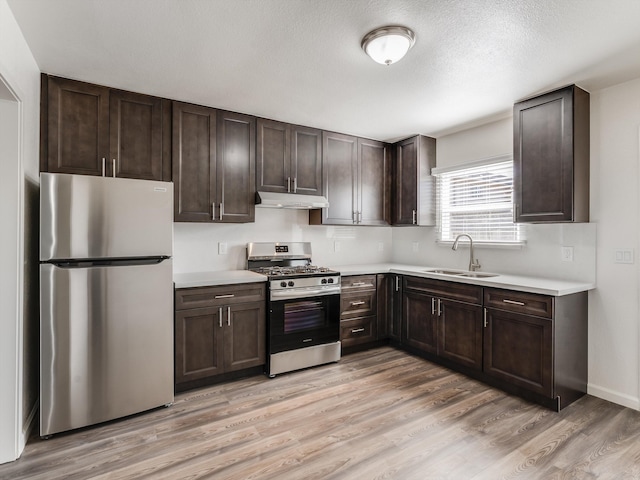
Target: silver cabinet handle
(104,166)
(295,184)
(359,217)
(355,304)
(439,307)
(513,302)
(397,287)
(485,318)
(357,330)
(358,284)
(228,316)
(413,217)
(213,211)
(230,295)
(220,316)
(288,184)
(221,210)
(113,168)
(433,306)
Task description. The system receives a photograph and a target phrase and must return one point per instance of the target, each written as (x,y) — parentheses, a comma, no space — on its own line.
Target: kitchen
(613,312)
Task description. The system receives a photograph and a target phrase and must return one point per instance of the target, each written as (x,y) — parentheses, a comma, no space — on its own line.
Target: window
(477,200)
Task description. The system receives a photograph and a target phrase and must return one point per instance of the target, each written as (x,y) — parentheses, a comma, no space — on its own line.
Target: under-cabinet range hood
(290,200)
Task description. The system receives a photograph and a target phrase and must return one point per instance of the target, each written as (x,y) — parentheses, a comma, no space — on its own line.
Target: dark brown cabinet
(213,165)
(218,330)
(358,310)
(537,344)
(445,319)
(551,157)
(289,158)
(413,185)
(356,181)
(389,307)
(95,130)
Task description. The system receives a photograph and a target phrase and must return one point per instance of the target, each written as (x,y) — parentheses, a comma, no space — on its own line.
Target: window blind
(477,201)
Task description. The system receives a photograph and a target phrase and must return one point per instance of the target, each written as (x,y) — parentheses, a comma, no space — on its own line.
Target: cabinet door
(78,127)
(244,336)
(460,333)
(236,147)
(339,162)
(406,188)
(551,142)
(373,187)
(419,322)
(198,343)
(389,306)
(306,160)
(518,350)
(135,136)
(273,162)
(194,163)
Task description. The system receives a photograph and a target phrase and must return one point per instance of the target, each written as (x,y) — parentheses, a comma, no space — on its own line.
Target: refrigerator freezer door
(82,216)
(106,338)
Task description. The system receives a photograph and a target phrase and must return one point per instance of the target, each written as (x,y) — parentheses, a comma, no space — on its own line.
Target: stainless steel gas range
(303,306)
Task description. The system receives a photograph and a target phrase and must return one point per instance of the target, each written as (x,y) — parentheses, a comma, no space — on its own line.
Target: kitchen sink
(477,274)
(444,272)
(459,273)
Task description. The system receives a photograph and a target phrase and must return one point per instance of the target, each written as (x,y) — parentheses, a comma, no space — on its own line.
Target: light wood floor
(379,414)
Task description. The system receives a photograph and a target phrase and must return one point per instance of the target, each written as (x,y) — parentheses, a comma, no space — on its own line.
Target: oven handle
(303,292)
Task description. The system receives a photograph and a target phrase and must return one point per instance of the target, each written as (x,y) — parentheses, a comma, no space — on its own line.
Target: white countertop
(545,286)
(218,277)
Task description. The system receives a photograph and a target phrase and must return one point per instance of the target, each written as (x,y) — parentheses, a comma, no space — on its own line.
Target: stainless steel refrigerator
(106,299)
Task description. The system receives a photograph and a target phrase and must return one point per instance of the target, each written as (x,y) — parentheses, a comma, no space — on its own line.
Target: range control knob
(330,280)
(283,284)
(291,284)
(324,280)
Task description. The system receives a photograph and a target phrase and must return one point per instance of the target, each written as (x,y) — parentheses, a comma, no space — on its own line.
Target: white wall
(196,245)
(613,307)
(19,161)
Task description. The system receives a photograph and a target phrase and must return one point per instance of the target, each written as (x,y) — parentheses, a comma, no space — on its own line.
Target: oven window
(304,315)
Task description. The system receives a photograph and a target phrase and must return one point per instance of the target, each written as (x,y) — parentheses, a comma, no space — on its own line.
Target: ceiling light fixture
(387,45)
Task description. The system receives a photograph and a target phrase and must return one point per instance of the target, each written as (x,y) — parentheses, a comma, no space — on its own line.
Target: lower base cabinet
(358,310)
(532,345)
(225,333)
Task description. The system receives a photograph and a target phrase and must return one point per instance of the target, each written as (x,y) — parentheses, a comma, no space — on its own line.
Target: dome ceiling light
(387,45)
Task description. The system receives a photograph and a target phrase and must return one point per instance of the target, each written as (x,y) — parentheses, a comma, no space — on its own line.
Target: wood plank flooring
(378,414)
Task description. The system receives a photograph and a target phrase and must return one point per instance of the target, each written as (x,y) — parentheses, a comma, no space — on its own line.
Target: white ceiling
(300,61)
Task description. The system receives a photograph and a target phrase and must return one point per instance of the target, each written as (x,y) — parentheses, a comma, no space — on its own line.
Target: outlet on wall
(415,247)
(567,254)
(381,246)
(336,246)
(222,248)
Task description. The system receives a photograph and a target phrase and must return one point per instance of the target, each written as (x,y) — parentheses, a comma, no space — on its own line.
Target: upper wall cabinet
(414,189)
(551,157)
(93,130)
(213,165)
(289,158)
(356,181)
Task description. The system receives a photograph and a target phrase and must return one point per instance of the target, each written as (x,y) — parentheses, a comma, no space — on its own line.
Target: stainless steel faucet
(473,264)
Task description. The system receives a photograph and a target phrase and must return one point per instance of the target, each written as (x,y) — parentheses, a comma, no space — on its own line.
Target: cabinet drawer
(358,282)
(445,289)
(358,304)
(357,331)
(520,302)
(216,296)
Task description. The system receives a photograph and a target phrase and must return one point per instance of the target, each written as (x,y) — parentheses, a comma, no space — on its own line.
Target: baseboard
(613,396)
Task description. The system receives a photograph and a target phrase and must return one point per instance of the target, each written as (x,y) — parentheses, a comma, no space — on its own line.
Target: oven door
(303,322)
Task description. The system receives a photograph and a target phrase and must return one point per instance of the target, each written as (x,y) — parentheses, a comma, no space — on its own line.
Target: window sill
(495,245)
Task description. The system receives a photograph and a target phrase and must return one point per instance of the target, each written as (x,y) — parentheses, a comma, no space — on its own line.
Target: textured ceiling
(300,60)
